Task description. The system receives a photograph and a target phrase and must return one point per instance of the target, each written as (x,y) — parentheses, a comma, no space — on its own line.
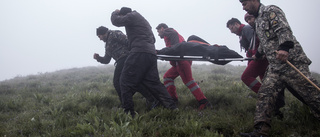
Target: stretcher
(197,49)
(197,58)
(201,58)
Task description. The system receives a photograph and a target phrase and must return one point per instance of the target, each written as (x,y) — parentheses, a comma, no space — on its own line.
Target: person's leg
(151,101)
(280,102)
(116,83)
(250,74)
(267,96)
(184,69)
(131,77)
(168,80)
(116,77)
(295,94)
(152,81)
(262,67)
(310,95)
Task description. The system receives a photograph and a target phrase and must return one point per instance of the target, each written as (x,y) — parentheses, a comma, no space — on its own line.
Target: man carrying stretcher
(180,68)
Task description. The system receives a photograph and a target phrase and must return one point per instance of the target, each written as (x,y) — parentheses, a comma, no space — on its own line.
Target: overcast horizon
(46,36)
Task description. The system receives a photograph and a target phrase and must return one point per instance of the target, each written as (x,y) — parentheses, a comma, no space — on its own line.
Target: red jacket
(172,37)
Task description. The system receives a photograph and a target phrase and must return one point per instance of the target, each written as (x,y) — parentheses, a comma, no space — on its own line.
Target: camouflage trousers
(273,83)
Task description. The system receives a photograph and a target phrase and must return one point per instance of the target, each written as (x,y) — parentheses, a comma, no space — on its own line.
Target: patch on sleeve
(275,22)
(267,34)
(272,15)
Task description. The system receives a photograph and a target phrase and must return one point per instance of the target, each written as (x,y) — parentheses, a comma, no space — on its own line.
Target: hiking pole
(303,75)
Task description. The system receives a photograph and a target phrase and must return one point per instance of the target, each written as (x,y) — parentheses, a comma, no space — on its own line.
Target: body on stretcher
(198,58)
(197,49)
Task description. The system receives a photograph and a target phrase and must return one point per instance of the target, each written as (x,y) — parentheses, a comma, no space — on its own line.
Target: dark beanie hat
(242,0)
(102,30)
(125,10)
(194,37)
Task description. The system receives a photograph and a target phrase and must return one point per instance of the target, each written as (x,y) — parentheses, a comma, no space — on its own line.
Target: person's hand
(282,55)
(254,57)
(96,55)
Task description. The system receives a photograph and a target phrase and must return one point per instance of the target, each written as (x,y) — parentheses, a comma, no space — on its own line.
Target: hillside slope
(83,102)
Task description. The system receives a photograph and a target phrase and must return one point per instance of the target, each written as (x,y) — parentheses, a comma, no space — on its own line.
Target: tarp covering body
(208,53)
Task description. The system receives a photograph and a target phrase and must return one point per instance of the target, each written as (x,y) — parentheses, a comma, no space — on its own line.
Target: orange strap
(195,41)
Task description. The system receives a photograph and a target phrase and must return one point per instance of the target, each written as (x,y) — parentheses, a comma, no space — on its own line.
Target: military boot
(261,130)
(252,134)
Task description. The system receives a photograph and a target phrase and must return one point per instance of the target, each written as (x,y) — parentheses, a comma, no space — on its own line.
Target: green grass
(83,102)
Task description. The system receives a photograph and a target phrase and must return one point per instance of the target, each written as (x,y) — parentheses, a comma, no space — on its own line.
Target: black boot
(252,134)
(278,114)
(261,130)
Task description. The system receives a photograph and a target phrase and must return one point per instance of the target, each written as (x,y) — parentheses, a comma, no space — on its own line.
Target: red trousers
(253,70)
(182,69)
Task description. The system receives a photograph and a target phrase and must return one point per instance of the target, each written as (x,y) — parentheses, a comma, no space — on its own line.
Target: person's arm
(172,36)
(258,56)
(248,32)
(120,38)
(104,60)
(247,35)
(120,20)
(281,28)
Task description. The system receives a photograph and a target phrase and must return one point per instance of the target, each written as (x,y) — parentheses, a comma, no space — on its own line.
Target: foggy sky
(38,36)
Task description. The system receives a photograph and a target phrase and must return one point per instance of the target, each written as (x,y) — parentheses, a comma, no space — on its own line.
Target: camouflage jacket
(116,46)
(273,29)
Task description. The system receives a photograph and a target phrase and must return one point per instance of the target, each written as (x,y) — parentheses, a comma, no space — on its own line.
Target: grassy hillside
(83,102)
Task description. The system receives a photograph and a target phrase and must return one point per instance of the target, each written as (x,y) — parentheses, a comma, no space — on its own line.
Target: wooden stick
(303,75)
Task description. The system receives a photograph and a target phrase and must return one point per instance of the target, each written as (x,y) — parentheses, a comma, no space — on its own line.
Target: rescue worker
(250,44)
(116,47)
(249,19)
(140,67)
(279,45)
(280,101)
(180,68)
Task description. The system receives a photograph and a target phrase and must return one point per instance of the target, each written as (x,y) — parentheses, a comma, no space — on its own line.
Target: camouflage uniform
(117,48)
(116,45)
(273,30)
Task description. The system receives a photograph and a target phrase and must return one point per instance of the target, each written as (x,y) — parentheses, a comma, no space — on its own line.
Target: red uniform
(250,43)
(180,68)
